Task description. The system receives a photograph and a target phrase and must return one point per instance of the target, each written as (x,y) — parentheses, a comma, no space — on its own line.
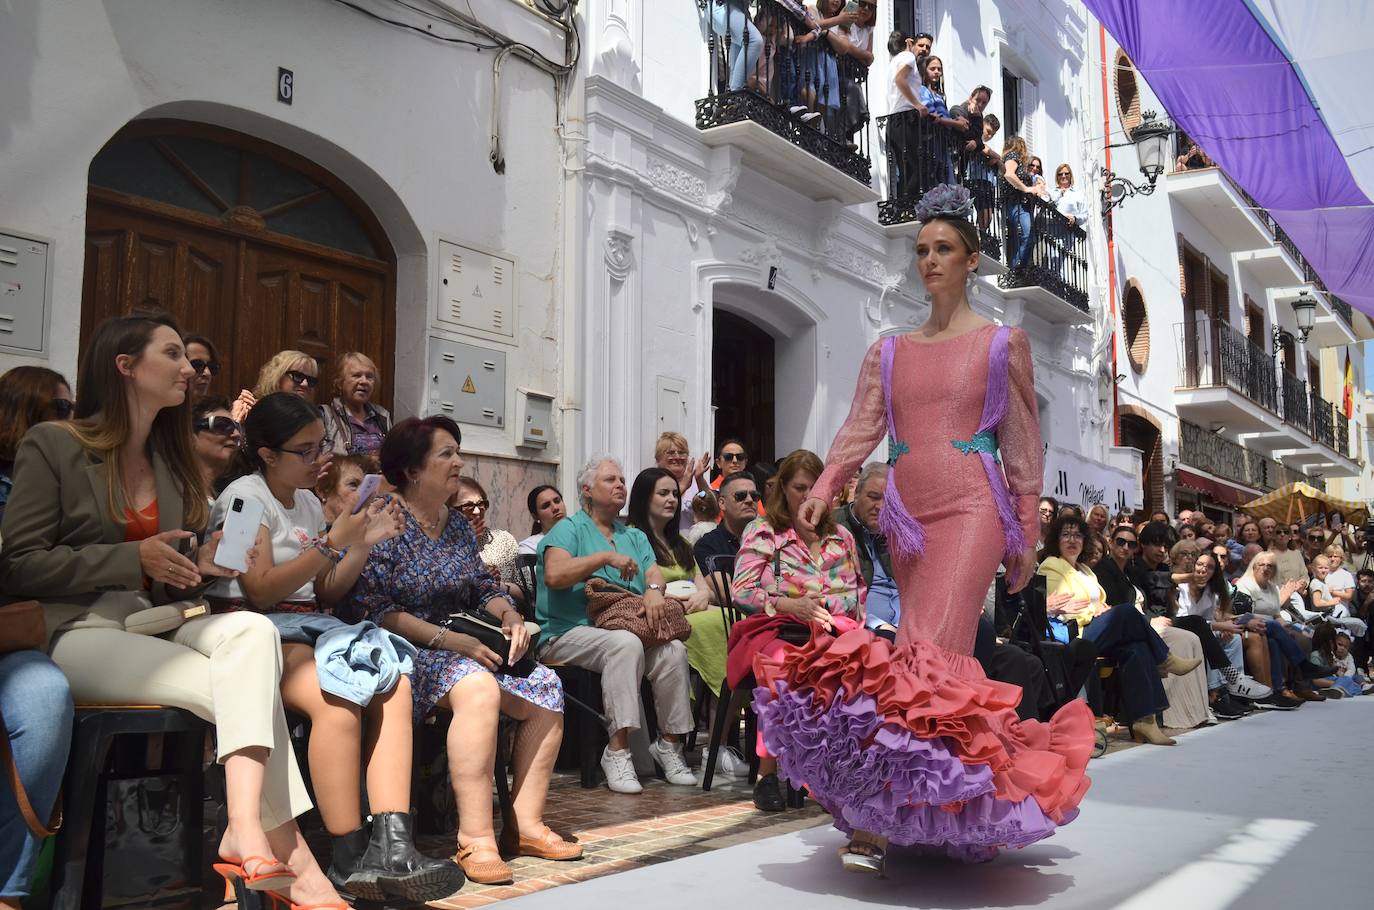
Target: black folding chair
(527,582)
(728,701)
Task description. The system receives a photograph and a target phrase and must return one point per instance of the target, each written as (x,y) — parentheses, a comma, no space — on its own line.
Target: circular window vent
(1127,93)
(1136,324)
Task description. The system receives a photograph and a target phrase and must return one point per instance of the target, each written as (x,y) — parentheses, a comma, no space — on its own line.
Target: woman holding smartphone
(302,572)
(103,526)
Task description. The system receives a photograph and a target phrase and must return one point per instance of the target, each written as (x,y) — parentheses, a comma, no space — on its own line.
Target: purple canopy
(1231,88)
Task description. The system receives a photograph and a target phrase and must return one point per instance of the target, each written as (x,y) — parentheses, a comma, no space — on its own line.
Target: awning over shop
(1219,490)
(1071,477)
(1270,89)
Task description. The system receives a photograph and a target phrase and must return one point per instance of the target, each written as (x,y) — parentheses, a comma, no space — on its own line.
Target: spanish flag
(1348,389)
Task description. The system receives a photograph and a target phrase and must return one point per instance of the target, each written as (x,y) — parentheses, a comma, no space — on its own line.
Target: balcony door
(243,242)
(1139,433)
(1200,356)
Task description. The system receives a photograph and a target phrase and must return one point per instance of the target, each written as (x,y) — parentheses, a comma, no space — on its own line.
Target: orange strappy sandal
(231,869)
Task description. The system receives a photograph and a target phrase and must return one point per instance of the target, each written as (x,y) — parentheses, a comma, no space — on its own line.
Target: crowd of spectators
(106,500)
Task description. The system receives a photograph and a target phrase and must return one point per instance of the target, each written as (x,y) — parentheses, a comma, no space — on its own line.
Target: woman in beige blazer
(95,529)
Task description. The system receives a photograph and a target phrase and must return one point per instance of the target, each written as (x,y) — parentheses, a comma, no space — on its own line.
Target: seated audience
(1330,659)
(593,542)
(1206,596)
(765,476)
(355,423)
(498,547)
(1262,596)
(87,559)
(882,607)
(1189,696)
(1120,632)
(671,454)
(739,498)
(288,371)
(217,438)
(1048,511)
(359,713)
(28,396)
(546,508)
(705,509)
(337,488)
(789,576)
(410,586)
(205,361)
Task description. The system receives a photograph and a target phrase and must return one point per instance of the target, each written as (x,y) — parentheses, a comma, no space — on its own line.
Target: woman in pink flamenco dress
(910,743)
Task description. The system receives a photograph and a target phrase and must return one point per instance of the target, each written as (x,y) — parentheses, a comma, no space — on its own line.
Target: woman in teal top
(594,542)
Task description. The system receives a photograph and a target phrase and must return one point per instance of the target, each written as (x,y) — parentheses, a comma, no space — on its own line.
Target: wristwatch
(658,588)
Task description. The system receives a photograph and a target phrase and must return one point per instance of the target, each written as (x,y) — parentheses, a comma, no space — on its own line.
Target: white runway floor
(1270,811)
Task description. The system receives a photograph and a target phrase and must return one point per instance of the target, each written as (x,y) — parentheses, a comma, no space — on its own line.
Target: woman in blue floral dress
(402,588)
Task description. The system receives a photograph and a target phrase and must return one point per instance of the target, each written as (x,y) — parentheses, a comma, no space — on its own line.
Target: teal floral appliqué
(981,442)
(895,449)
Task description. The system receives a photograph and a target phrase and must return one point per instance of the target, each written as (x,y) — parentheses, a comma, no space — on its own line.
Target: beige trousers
(225,669)
(623,663)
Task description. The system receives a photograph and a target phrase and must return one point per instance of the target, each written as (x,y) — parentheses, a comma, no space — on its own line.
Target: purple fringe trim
(905,535)
(874,775)
(994,412)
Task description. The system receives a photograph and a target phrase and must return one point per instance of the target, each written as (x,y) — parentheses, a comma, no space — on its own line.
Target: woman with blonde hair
(288,371)
(102,528)
(1020,209)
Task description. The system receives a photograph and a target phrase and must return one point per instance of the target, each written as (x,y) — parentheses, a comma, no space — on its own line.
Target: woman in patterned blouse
(499,548)
(402,589)
(788,575)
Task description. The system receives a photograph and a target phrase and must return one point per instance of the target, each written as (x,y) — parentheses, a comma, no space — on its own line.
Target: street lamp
(1152,140)
(1305,312)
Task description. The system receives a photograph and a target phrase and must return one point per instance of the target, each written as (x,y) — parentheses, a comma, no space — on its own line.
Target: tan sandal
(489,872)
(549,845)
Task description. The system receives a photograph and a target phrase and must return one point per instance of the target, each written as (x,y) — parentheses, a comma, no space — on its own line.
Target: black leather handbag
(467,617)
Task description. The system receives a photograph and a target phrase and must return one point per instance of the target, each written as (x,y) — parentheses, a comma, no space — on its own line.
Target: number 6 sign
(286,85)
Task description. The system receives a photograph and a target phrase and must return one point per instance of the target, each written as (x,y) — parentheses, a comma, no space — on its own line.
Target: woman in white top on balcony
(1066,197)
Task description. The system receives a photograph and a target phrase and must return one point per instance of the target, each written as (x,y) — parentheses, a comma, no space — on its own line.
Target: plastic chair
(79,852)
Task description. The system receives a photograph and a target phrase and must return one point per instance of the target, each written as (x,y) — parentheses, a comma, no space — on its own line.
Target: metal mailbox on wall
(467,383)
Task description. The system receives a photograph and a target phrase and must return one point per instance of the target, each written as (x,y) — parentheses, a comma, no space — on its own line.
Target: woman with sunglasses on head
(102,527)
(498,547)
(288,371)
(217,437)
(546,508)
(360,713)
(28,396)
(205,361)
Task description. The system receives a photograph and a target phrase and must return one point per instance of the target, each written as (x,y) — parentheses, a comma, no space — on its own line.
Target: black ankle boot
(392,867)
(347,853)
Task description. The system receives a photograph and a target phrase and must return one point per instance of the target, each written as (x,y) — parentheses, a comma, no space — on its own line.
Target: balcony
(921,154)
(1220,457)
(1218,205)
(1224,379)
(787,106)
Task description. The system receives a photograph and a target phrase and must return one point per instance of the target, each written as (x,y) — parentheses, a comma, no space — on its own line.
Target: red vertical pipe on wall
(1111,240)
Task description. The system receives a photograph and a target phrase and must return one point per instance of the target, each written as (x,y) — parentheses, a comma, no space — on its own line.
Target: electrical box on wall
(536,417)
(467,383)
(476,291)
(25,277)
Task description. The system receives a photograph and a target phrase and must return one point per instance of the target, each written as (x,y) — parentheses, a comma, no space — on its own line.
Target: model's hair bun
(945,201)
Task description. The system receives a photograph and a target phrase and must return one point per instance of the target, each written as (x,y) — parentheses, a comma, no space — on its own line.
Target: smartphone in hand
(366,490)
(240,529)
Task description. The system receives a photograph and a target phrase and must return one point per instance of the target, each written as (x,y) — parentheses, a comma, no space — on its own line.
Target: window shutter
(1030,107)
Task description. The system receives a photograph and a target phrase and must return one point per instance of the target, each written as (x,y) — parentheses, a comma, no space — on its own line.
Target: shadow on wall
(18,53)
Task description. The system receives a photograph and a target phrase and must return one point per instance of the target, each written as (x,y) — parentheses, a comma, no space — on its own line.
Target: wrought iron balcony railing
(1296,403)
(922,153)
(766,63)
(1213,354)
(1323,428)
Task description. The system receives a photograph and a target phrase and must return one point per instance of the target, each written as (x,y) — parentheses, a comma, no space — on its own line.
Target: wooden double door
(252,298)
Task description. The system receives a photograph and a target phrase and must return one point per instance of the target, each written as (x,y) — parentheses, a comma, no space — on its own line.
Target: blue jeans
(728,19)
(38,715)
(1285,657)
(1018,226)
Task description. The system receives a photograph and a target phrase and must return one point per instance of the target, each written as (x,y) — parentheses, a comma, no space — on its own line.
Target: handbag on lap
(609,606)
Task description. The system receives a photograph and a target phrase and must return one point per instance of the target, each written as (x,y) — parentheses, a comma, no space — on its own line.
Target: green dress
(706,647)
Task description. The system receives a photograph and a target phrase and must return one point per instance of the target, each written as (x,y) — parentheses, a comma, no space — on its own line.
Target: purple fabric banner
(1228,86)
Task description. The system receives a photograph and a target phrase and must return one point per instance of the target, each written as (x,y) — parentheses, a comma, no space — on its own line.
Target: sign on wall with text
(1070,477)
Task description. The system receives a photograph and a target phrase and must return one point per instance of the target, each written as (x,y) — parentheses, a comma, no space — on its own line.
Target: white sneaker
(619,768)
(668,757)
(730,763)
(1248,687)
(1211,720)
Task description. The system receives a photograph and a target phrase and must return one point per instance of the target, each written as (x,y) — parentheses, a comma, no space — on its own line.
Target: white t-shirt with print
(291,530)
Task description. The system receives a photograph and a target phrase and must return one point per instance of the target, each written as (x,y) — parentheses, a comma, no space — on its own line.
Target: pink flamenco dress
(911,740)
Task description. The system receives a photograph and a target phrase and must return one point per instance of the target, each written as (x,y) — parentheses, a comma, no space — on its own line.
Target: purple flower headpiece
(945,201)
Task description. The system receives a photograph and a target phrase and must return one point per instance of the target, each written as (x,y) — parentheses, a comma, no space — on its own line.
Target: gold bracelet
(438,637)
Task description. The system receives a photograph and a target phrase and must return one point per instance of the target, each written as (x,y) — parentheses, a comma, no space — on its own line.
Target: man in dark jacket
(883,607)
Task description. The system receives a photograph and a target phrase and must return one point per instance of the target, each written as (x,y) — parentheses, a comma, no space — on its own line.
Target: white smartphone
(366,490)
(240,529)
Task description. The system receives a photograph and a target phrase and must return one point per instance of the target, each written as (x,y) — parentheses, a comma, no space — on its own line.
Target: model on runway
(910,743)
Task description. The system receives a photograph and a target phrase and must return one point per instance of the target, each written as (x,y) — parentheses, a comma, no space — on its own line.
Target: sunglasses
(476,505)
(1062,176)
(219,425)
(200,366)
(1126,542)
(1315,538)
(732,456)
(747,495)
(62,408)
(302,379)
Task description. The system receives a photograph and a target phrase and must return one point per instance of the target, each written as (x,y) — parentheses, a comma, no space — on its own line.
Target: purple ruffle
(876,776)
